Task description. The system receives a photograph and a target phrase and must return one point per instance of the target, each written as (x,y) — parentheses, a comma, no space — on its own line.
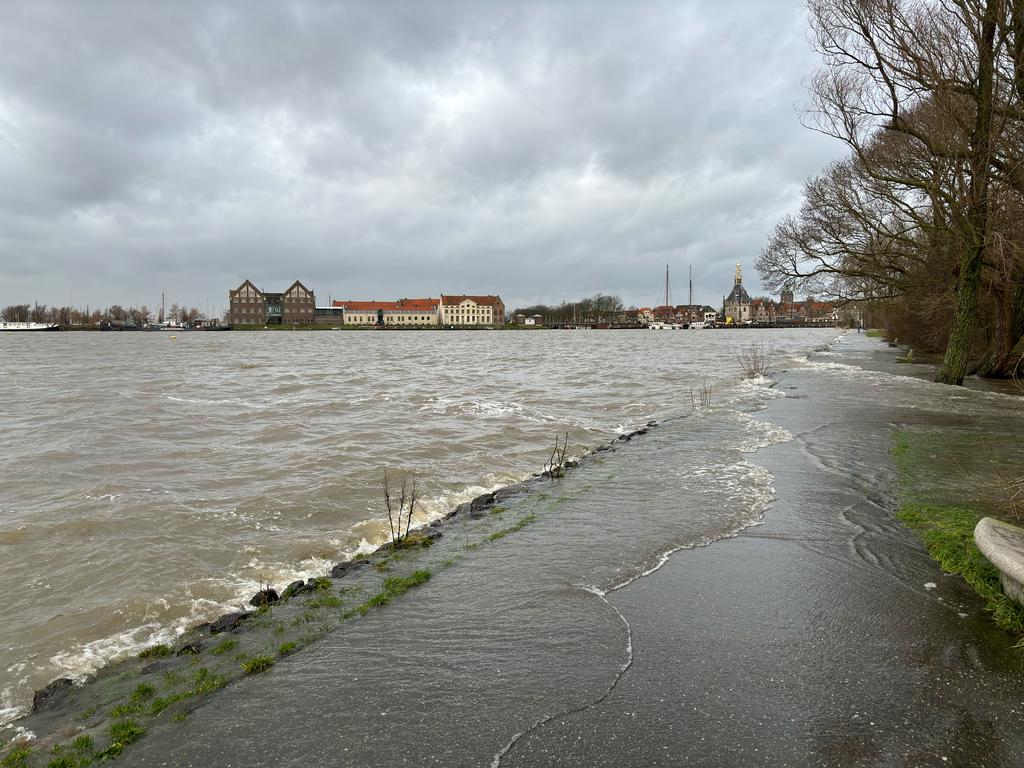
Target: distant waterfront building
(470,311)
(414,313)
(736,306)
(528,319)
(248,305)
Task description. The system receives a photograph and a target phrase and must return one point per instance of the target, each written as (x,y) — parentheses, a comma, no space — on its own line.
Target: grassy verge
(948,534)
(947,529)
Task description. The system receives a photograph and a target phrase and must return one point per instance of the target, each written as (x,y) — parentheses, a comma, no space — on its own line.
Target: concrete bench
(1003,545)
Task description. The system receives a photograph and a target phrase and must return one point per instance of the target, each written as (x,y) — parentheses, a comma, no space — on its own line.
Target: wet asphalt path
(809,640)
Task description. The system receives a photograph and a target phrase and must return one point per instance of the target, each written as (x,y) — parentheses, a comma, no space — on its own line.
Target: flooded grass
(512,529)
(948,534)
(947,481)
(278,630)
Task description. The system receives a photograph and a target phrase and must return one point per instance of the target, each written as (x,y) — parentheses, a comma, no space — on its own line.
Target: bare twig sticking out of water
(1012,491)
(755,361)
(401,508)
(703,393)
(556,463)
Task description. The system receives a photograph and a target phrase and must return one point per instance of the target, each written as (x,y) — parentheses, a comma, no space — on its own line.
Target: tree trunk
(958,349)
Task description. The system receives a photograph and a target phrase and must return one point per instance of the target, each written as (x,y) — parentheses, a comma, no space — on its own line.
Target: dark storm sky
(390,149)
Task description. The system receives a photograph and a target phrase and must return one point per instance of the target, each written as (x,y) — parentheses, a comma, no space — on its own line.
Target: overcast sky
(389,149)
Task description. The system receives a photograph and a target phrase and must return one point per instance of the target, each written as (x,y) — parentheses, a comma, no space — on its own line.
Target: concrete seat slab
(1003,545)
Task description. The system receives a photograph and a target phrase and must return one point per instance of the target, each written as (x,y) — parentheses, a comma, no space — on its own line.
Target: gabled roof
(487,301)
(298,283)
(245,283)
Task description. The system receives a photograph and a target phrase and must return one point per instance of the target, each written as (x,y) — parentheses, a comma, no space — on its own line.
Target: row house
(765,310)
(248,305)
(413,313)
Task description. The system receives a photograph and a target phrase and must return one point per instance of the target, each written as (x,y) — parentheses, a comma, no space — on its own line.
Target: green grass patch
(286,648)
(257,664)
(875,333)
(156,652)
(321,583)
(382,565)
(326,601)
(126,732)
(86,714)
(205,681)
(393,586)
(948,534)
(512,529)
(161,703)
(497,511)
(17,758)
(414,540)
(121,733)
(66,761)
(143,691)
(82,744)
(138,701)
(224,646)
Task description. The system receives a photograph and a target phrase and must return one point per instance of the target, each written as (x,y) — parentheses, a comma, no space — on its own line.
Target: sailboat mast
(691,285)
(666,285)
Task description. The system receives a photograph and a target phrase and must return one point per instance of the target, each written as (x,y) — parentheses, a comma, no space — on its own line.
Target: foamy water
(148,484)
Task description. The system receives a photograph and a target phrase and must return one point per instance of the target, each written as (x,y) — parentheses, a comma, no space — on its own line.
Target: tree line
(598,308)
(923,221)
(40,313)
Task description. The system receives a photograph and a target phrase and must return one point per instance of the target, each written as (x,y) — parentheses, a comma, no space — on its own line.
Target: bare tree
(400,507)
(16,313)
(927,72)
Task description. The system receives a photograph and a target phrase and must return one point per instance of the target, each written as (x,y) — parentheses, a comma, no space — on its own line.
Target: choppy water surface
(149,483)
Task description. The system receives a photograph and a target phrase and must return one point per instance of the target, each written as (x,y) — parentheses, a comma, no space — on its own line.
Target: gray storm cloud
(395,149)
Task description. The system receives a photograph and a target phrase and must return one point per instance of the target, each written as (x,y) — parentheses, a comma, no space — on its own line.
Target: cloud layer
(379,150)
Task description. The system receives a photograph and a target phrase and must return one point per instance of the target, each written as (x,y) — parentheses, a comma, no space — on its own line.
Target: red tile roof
(419,305)
(367,306)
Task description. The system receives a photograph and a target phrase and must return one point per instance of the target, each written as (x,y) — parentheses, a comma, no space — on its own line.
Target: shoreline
(53,701)
(490,518)
(812,639)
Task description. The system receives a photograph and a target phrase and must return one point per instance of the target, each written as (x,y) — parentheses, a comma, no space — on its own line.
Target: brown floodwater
(148,483)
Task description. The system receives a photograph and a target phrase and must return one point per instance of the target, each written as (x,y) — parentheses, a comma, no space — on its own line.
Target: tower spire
(739,274)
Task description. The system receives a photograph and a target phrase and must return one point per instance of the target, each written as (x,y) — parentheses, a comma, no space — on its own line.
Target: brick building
(248,305)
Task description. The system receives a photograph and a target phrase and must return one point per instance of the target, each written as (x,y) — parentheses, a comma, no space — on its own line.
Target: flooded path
(824,636)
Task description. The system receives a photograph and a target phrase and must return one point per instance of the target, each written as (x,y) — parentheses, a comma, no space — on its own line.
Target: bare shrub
(755,361)
(401,506)
(703,393)
(556,462)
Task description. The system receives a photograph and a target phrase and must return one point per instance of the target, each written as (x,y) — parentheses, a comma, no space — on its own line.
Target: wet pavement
(825,636)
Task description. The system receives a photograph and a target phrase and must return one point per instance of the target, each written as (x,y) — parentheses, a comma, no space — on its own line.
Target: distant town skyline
(549,151)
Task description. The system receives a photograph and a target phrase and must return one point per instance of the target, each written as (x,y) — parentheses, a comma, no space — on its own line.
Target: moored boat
(13,325)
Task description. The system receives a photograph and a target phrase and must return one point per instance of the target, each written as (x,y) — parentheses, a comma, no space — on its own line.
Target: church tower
(737,305)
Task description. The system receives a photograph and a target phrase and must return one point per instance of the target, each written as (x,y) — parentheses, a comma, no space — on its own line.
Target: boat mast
(691,286)
(666,285)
